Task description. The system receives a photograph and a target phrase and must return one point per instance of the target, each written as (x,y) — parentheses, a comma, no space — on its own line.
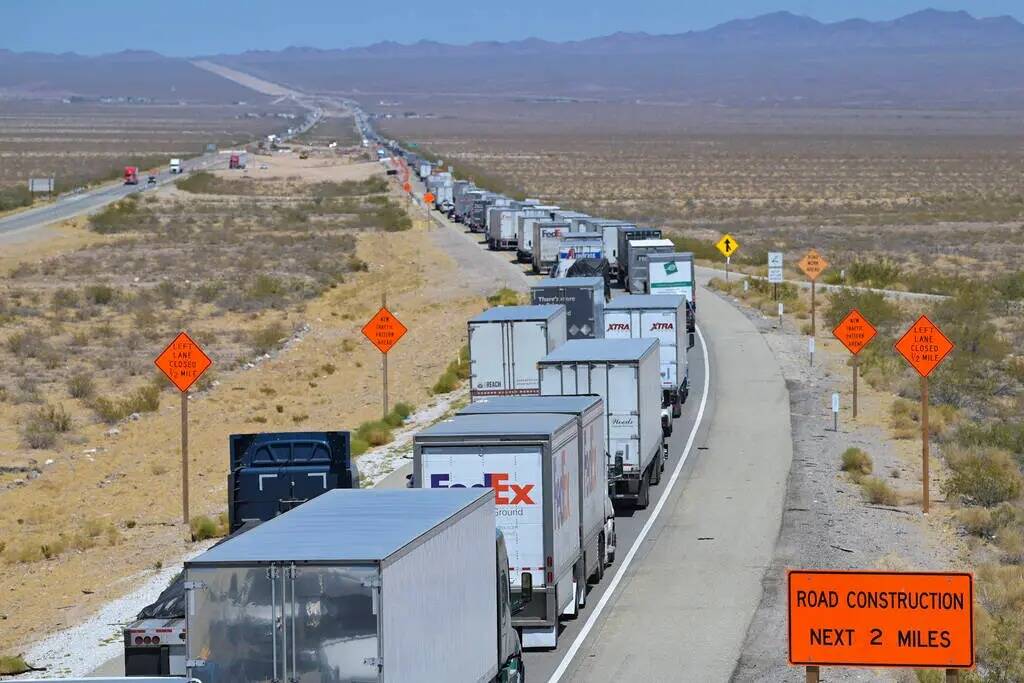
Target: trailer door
(487,360)
(528,345)
(661,325)
(623,415)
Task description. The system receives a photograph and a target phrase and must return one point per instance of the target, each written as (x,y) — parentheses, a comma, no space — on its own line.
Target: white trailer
(355,586)
(609,229)
(672,274)
(578,245)
(547,237)
(624,372)
(532,464)
(597,517)
(501,226)
(662,317)
(524,229)
(505,344)
(639,250)
(175,166)
(424,170)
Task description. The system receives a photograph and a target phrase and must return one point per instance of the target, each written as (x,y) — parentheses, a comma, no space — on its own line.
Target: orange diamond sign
(407,187)
(812,264)
(854,331)
(384,330)
(924,346)
(429,198)
(183,362)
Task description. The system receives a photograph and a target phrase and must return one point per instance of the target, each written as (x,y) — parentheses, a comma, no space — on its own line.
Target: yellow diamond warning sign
(727,245)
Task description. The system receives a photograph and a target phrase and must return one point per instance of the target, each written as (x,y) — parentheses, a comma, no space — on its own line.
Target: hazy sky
(190,27)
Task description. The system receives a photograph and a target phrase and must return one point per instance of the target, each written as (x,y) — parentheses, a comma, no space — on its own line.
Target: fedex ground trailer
(547,238)
(505,344)
(662,317)
(532,463)
(623,372)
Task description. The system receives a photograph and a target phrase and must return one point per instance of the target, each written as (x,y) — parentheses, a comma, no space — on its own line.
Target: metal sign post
(810,348)
(728,246)
(835,411)
(813,264)
(854,332)
(384,330)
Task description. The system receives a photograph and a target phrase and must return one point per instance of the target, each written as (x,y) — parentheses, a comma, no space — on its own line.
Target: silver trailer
(501,226)
(583,298)
(624,236)
(623,372)
(637,277)
(662,317)
(597,517)
(524,229)
(505,344)
(674,274)
(547,236)
(356,586)
(464,203)
(495,200)
(532,464)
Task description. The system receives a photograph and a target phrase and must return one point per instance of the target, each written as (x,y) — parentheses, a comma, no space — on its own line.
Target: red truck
(236,161)
(131,175)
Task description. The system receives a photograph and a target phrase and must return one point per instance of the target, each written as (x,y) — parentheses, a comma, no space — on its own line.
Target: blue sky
(190,27)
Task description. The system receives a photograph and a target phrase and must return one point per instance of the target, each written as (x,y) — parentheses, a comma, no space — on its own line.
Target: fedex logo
(505,492)
(624,327)
(661,326)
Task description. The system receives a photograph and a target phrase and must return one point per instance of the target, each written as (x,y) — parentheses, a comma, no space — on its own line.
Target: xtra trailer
(583,298)
(662,317)
(505,344)
(532,464)
(597,516)
(623,372)
(407,585)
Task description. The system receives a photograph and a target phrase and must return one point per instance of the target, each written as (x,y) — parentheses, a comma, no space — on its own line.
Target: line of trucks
(509,514)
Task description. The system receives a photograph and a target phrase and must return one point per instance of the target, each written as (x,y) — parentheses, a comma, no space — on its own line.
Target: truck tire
(599,574)
(677,406)
(656,468)
(643,495)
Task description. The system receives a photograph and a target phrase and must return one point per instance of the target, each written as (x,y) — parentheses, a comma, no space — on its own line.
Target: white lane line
(628,559)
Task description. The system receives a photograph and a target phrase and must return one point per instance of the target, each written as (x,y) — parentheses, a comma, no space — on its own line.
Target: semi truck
(269,474)
(674,274)
(638,251)
(609,229)
(237,160)
(398,585)
(597,516)
(131,175)
(505,344)
(532,464)
(583,298)
(501,226)
(577,245)
(175,166)
(547,236)
(662,317)
(524,229)
(624,373)
(624,236)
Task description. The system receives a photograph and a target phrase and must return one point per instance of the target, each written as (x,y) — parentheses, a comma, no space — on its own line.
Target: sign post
(384,330)
(728,246)
(854,332)
(775,272)
(880,619)
(183,362)
(813,264)
(835,411)
(924,346)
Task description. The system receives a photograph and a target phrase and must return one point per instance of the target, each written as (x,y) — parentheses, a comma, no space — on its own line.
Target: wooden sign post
(183,362)
(854,332)
(813,264)
(384,330)
(924,346)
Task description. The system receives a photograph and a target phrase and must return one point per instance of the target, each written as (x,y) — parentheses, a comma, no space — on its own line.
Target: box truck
(532,464)
(624,236)
(583,298)
(661,317)
(405,585)
(638,251)
(505,344)
(575,246)
(175,166)
(597,516)
(547,236)
(623,372)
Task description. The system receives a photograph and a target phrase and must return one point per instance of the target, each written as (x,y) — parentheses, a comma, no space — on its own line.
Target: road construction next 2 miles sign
(924,346)
(183,361)
(812,264)
(384,330)
(854,331)
(727,245)
(881,619)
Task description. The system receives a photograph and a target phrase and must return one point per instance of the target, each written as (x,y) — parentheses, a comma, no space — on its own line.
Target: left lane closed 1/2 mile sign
(881,619)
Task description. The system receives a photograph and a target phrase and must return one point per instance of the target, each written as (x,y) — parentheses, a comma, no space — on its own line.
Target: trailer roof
(652,243)
(601,350)
(531,404)
(501,313)
(569,282)
(344,525)
(587,235)
(670,256)
(517,425)
(631,301)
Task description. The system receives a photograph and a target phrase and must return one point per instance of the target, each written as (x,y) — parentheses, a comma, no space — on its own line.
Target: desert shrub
(99,294)
(877,491)
(1010,541)
(81,385)
(984,477)
(268,338)
(145,399)
(374,432)
(446,383)
(880,274)
(329,368)
(122,216)
(505,297)
(1003,434)
(1002,654)
(883,314)
(64,298)
(44,424)
(398,414)
(14,197)
(359,446)
(203,527)
(856,462)
(13,664)
(976,521)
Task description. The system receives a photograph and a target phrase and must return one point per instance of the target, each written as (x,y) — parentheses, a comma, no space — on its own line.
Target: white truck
(357,586)
(501,226)
(505,344)
(674,274)
(597,516)
(609,229)
(639,251)
(524,229)
(623,372)
(175,166)
(662,317)
(532,464)
(547,236)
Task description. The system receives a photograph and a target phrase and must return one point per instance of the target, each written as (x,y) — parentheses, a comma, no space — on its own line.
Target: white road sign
(775,267)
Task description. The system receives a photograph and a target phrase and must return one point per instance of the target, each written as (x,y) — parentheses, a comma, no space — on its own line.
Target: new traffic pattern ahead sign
(854,331)
(881,619)
(924,346)
(183,362)
(812,264)
(727,245)
(384,330)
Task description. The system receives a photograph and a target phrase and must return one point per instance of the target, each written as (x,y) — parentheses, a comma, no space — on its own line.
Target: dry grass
(878,492)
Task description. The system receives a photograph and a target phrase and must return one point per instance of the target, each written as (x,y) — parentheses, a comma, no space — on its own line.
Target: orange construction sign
(183,362)
(407,187)
(924,346)
(384,330)
(854,331)
(812,264)
(429,198)
(881,619)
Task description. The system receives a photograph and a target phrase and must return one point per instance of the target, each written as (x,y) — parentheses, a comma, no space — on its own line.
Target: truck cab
(510,649)
(131,175)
